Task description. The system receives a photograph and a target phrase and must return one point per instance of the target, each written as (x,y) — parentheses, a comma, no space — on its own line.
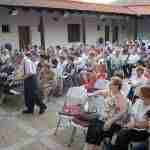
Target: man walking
(31,88)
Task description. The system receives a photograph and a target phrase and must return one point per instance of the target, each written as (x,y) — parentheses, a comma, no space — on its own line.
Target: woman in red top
(90,82)
(101,72)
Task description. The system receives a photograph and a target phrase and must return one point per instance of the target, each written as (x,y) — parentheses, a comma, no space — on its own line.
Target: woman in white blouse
(136,81)
(136,129)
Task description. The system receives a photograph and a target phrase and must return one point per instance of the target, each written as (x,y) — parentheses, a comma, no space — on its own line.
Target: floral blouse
(113,106)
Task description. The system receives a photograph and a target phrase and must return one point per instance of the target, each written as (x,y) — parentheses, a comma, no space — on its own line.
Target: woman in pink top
(137,128)
(115,108)
(147,70)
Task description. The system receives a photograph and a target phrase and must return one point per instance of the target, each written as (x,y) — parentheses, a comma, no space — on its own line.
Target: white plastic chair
(95,104)
(74,96)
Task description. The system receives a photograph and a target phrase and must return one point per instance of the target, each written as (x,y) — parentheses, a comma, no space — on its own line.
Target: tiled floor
(33,132)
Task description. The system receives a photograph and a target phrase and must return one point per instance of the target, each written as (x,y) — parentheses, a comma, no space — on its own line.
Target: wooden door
(107,31)
(115,34)
(24,36)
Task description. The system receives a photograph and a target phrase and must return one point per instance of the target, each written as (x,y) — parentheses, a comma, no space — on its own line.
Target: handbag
(72,109)
(87,116)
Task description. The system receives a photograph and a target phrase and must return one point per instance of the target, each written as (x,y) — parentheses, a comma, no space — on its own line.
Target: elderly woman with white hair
(136,130)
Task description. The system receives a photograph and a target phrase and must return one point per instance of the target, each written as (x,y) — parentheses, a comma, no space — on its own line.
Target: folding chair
(78,124)
(143,145)
(75,98)
(17,87)
(95,108)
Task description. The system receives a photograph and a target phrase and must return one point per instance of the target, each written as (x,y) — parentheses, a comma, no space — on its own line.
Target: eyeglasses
(111,84)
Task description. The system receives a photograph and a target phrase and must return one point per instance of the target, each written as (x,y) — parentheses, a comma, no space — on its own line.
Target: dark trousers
(130,67)
(96,133)
(125,70)
(126,136)
(31,93)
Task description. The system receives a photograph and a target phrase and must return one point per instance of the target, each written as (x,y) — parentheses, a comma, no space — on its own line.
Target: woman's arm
(99,92)
(142,124)
(118,116)
(137,124)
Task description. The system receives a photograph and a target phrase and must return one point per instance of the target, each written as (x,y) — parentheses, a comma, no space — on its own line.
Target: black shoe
(44,106)
(42,110)
(27,112)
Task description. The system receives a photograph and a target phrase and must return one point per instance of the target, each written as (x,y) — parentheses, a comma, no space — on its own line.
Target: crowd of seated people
(128,70)
(125,67)
(83,65)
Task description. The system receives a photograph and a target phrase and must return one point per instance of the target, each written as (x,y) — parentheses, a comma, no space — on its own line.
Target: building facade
(23,28)
(66,22)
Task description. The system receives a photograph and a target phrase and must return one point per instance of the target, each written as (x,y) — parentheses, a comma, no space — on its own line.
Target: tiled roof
(68,4)
(140,9)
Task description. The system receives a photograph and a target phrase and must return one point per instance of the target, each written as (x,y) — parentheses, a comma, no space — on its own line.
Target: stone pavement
(32,132)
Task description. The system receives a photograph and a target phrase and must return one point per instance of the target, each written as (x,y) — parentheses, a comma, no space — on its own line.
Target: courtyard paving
(34,132)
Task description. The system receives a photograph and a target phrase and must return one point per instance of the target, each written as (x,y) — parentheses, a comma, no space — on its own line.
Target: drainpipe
(135,27)
(83,30)
(42,31)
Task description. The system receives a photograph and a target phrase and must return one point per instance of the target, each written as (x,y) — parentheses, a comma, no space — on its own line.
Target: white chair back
(76,95)
(101,84)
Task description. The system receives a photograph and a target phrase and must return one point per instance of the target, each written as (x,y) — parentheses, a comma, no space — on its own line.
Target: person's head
(144,94)
(147,65)
(119,74)
(147,62)
(61,59)
(42,58)
(35,47)
(70,59)
(115,84)
(117,51)
(101,40)
(125,50)
(28,54)
(140,71)
(8,46)
(92,54)
(47,66)
(92,47)
(58,47)
(19,58)
(101,68)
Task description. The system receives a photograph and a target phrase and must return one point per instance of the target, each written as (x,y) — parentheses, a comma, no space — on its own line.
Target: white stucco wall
(91,30)
(55,31)
(29,18)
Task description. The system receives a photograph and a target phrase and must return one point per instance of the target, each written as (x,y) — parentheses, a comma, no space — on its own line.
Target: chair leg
(130,146)
(72,136)
(85,147)
(2,98)
(58,124)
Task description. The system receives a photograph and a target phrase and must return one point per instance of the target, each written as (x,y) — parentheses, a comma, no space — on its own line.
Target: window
(98,28)
(107,31)
(5,28)
(73,32)
(115,34)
